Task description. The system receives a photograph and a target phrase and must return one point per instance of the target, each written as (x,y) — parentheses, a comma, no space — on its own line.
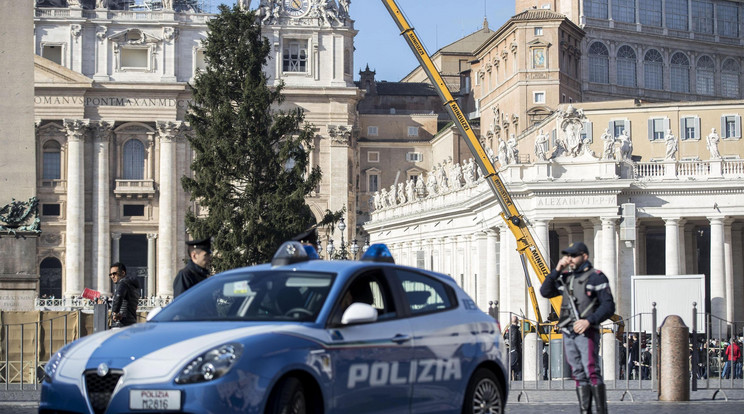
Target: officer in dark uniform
(588,289)
(200,253)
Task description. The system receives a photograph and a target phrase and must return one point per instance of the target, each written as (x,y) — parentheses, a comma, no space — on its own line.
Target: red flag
(91,294)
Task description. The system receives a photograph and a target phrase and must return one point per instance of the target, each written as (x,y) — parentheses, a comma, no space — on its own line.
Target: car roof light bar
(378,252)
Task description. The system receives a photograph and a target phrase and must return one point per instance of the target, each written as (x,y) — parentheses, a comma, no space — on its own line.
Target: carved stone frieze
(340,134)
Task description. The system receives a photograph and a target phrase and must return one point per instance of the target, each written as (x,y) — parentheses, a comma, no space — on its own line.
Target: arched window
(626,66)
(680,73)
(599,63)
(50,278)
(653,70)
(51,161)
(134,160)
(730,78)
(704,75)
(596,9)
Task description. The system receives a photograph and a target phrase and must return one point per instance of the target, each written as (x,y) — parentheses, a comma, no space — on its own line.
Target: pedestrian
(733,354)
(645,363)
(126,296)
(200,256)
(621,357)
(545,363)
(514,336)
(738,363)
(587,302)
(633,355)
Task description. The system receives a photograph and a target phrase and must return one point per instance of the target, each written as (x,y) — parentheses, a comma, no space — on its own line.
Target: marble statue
(712,141)
(469,171)
(431,183)
(572,125)
(392,196)
(442,177)
(625,146)
(512,153)
(420,187)
(503,156)
(671,145)
(326,10)
(384,198)
(456,176)
(410,191)
(541,146)
(401,193)
(377,200)
(608,151)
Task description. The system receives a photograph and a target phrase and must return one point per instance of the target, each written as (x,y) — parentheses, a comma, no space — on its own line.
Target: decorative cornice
(76,129)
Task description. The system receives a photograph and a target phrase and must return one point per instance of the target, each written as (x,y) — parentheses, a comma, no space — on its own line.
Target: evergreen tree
(250,166)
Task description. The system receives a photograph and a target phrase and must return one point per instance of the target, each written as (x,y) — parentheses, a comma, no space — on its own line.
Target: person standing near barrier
(126,296)
(587,302)
(200,253)
(733,353)
(514,336)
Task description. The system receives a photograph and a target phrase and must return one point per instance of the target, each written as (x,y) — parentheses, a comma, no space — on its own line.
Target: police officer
(200,254)
(577,281)
(126,295)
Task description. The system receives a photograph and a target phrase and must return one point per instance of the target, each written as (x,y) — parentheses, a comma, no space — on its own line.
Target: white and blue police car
(294,336)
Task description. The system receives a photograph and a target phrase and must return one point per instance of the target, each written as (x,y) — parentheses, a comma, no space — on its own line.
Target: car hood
(153,352)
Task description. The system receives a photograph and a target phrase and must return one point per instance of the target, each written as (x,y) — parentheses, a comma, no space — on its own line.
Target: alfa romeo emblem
(103,369)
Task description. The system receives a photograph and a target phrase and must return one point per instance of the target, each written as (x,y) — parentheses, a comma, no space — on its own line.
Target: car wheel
(484,395)
(288,398)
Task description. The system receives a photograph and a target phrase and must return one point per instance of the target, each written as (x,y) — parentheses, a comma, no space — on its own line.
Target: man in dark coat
(126,296)
(200,253)
(514,336)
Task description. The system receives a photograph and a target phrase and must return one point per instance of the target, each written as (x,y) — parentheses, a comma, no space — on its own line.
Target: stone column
(168,133)
(504,289)
(151,254)
(596,242)
(737,296)
(717,277)
(728,270)
(671,252)
(76,130)
(542,239)
(115,237)
(101,255)
(492,272)
(609,251)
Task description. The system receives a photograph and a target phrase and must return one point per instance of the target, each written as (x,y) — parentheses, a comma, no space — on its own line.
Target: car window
(370,288)
(425,294)
(253,296)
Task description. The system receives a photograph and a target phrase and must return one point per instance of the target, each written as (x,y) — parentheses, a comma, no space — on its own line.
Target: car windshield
(253,296)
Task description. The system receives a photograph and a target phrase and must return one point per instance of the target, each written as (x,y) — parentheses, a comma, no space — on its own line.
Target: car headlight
(210,365)
(51,367)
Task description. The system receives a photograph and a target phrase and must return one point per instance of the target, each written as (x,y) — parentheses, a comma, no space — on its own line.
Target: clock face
(296,8)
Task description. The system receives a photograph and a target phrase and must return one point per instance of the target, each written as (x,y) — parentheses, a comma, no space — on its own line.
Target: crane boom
(526,246)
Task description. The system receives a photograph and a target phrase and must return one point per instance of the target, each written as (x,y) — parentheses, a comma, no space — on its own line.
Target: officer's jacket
(188,277)
(590,290)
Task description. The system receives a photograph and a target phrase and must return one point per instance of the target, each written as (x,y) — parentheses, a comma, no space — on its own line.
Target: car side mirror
(153,312)
(359,313)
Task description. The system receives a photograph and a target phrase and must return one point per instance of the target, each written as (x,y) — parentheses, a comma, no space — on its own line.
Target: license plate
(155,400)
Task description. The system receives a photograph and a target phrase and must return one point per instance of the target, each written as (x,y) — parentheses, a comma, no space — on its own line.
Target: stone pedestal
(674,381)
(19,276)
(531,356)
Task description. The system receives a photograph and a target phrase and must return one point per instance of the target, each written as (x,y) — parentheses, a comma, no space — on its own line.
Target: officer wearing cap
(200,253)
(588,289)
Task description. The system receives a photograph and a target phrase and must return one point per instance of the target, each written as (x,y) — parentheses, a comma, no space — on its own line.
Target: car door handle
(400,338)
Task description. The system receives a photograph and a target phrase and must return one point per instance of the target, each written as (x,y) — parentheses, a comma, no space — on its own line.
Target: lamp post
(330,248)
(319,248)
(354,249)
(342,253)
(366,246)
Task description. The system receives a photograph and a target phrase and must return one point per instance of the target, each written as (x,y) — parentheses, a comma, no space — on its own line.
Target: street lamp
(342,254)
(319,247)
(330,249)
(354,249)
(366,246)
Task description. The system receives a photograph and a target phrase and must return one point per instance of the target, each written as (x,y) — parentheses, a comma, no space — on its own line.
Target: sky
(436,22)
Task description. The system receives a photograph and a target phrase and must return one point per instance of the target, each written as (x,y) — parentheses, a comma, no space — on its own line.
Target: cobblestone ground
(693,407)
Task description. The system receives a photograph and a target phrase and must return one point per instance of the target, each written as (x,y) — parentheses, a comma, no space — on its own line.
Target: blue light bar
(378,252)
(293,252)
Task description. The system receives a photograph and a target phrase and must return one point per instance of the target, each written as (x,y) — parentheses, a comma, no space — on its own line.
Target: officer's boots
(600,398)
(584,393)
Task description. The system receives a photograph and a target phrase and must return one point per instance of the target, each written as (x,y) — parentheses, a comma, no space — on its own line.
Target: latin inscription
(112,101)
(577,201)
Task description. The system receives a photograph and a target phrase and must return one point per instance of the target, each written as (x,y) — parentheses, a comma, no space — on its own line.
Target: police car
(294,336)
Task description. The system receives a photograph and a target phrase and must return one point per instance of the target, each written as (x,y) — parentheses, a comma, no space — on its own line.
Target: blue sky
(437,23)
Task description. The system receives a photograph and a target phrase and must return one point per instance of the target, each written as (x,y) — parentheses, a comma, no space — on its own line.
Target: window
(704,75)
(728,19)
(373,182)
(586,132)
(689,127)
(134,160)
(626,66)
(373,156)
(372,131)
(623,11)
(653,69)
(599,63)
(50,210)
(702,16)
(538,97)
(676,14)
(51,161)
(413,131)
(538,31)
(730,78)
(414,157)
(657,128)
(650,11)
(731,126)
(294,56)
(680,73)
(618,126)
(596,9)
(133,210)
(200,62)
(134,58)
(424,294)
(370,288)
(53,53)
(50,278)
